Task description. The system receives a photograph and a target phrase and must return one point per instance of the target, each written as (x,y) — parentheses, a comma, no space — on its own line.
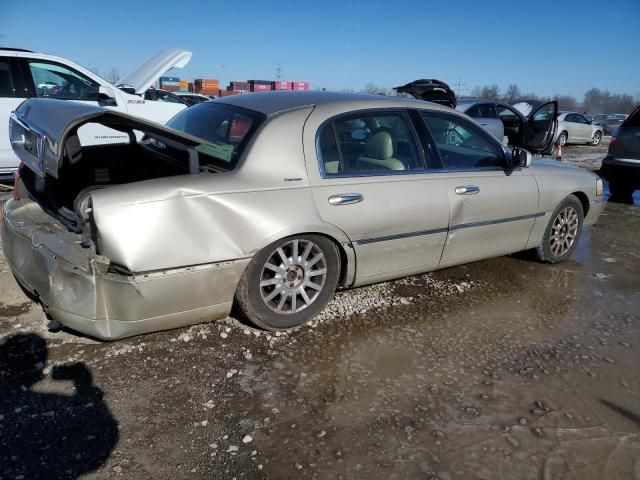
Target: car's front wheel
(596,138)
(563,231)
(288,282)
(562,138)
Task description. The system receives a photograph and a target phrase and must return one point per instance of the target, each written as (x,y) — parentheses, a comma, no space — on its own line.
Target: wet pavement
(504,368)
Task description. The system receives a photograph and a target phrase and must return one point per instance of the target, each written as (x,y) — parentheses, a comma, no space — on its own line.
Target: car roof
(271,103)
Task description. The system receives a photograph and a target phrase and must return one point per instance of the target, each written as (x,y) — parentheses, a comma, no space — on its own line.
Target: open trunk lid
(150,71)
(430,90)
(43,133)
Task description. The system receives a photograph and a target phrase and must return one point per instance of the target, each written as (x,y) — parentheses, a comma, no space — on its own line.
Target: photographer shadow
(49,435)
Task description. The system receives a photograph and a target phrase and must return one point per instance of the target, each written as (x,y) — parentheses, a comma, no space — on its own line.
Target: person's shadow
(49,435)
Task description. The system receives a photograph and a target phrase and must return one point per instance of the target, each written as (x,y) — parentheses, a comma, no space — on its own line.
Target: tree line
(594,101)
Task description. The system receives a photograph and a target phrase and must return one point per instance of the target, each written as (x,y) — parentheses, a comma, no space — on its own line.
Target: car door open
(541,128)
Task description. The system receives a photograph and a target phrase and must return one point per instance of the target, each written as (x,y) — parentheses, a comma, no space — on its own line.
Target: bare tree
(513,92)
(476,92)
(490,92)
(113,75)
(373,88)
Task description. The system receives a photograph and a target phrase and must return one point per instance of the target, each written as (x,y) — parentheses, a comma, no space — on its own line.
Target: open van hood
(150,71)
(43,132)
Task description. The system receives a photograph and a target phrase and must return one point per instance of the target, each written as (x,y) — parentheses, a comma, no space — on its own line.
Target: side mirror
(106,96)
(521,158)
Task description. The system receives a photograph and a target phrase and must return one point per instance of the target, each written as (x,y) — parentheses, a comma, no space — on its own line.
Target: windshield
(225,128)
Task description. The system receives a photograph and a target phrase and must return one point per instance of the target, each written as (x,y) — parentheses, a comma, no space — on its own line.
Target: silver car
(267,204)
(574,127)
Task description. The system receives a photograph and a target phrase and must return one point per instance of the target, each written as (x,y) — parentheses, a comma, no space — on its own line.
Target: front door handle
(467,190)
(484,124)
(345,199)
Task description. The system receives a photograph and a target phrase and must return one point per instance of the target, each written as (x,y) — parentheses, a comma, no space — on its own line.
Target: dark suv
(621,166)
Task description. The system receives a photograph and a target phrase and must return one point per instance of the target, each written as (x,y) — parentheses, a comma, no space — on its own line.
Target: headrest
(379,146)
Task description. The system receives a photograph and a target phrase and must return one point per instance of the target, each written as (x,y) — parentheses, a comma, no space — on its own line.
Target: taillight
(613,141)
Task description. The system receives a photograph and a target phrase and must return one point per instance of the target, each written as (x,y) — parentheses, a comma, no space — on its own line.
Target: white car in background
(574,127)
(25,74)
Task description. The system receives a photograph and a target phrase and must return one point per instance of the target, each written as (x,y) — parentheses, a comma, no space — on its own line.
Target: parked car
(25,74)
(270,203)
(533,129)
(574,127)
(621,166)
(192,98)
(159,95)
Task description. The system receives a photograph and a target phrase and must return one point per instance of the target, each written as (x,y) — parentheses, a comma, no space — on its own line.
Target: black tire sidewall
(254,308)
(545,253)
(562,134)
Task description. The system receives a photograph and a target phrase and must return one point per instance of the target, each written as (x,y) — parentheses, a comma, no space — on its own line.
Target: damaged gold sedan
(267,203)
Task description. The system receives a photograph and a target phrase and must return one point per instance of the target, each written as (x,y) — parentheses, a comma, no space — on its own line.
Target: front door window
(54,80)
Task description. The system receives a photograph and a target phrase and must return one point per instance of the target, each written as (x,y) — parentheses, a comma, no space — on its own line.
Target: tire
(562,139)
(277,267)
(597,137)
(621,191)
(563,231)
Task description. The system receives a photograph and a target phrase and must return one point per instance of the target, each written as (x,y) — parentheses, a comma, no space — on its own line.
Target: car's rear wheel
(621,191)
(563,231)
(596,138)
(562,138)
(288,282)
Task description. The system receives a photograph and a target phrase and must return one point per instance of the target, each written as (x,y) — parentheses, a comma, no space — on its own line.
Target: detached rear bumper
(74,286)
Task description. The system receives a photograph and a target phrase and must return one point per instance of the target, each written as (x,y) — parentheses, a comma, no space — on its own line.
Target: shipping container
(258,87)
(239,85)
(300,86)
(260,82)
(170,79)
(184,85)
(281,85)
(190,87)
(227,93)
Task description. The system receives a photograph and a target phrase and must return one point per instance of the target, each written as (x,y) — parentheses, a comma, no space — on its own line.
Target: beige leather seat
(378,154)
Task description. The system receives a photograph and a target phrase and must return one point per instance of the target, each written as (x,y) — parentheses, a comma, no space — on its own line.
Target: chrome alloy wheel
(293,276)
(596,138)
(564,231)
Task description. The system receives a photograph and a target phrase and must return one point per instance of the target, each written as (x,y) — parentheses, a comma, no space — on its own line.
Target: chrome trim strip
(399,236)
(494,222)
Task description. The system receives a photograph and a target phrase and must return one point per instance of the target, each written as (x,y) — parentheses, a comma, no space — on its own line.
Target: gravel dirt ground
(501,369)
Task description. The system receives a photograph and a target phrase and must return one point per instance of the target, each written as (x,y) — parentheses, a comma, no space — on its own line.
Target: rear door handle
(345,199)
(467,190)
(484,124)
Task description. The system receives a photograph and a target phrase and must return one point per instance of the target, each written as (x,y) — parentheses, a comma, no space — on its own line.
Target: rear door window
(473,111)
(8,84)
(369,144)
(487,110)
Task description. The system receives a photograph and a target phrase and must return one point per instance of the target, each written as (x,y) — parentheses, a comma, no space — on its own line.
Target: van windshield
(226,129)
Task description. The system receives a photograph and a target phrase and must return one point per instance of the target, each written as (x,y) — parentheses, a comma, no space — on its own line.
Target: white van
(25,74)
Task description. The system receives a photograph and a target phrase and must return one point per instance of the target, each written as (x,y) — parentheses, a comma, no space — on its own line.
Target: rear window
(226,129)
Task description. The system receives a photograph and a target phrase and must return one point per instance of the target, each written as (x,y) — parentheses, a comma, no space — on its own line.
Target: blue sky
(543,46)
